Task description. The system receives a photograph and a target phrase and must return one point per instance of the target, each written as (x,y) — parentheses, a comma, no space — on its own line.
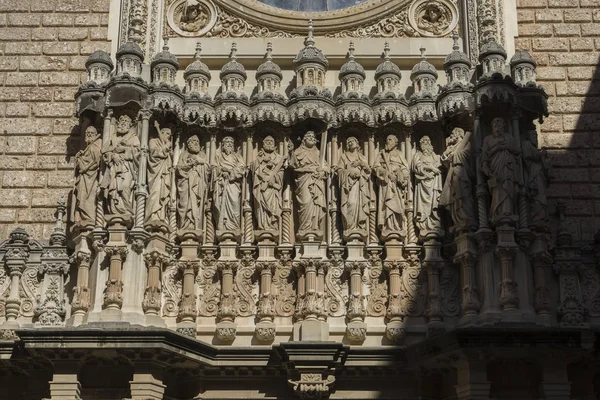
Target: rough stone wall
(564,38)
(44,46)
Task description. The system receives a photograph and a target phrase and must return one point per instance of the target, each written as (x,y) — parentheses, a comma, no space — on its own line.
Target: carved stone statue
(428,188)
(457,194)
(354,175)
(500,164)
(192,184)
(160,166)
(267,172)
(121,156)
(536,166)
(391,169)
(310,174)
(193,16)
(86,181)
(228,172)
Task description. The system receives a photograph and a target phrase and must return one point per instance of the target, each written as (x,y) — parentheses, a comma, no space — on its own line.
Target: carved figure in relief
(160,166)
(354,175)
(193,17)
(500,164)
(228,172)
(86,182)
(428,188)
(267,171)
(536,166)
(434,18)
(192,174)
(457,193)
(391,169)
(310,174)
(121,156)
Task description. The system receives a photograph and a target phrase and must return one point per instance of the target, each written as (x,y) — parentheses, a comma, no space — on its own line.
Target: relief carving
(536,168)
(160,165)
(171,288)
(267,174)
(86,182)
(192,174)
(210,287)
(428,188)
(227,188)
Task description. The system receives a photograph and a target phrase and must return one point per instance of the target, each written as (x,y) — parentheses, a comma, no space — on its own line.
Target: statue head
(165,135)
(352,143)
(391,142)
(269,144)
(193,144)
(425,145)
(124,124)
(91,134)
(498,127)
(228,145)
(309,140)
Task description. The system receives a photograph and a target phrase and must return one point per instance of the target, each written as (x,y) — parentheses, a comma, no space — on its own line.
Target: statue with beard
(428,188)
(392,172)
(192,183)
(354,175)
(267,173)
(87,163)
(310,187)
(160,165)
(121,156)
(457,194)
(500,164)
(536,167)
(228,172)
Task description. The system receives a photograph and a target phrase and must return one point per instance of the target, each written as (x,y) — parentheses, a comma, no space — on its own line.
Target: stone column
(116,249)
(395,329)
(311,283)
(82,296)
(482,191)
(98,233)
(356,331)
(265,328)
(65,382)
(433,263)
(189,265)
(138,233)
(467,259)
(154,262)
(226,328)
(14,260)
(471,380)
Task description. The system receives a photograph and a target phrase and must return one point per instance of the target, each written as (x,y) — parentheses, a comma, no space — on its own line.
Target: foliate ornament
(192,18)
(590,282)
(394,26)
(378,288)
(265,334)
(4,290)
(210,287)
(312,385)
(336,289)
(244,289)
(8,334)
(231,26)
(283,283)
(433,18)
(449,282)
(51,311)
(29,290)
(395,334)
(226,334)
(171,288)
(411,293)
(191,332)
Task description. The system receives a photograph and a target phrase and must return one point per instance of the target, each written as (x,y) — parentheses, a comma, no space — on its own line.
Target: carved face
(90,134)
(497,127)
(193,144)
(309,139)
(124,124)
(228,145)
(269,144)
(426,146)
(457,135)
(391,142)
(166,134)
(352,144)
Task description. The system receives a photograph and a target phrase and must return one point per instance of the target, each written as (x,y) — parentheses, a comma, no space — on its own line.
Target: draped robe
(309,190)
(192,184)
(393,174)
(160,165)
(121,155)
(267,185)
(536,182)
(428,187)
(355,185)
(227,191)
(86,183)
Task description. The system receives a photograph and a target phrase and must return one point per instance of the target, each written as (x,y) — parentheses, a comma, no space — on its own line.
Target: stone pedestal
(65,383)
(471,380)
(311,330)
(145,386)
(555,384)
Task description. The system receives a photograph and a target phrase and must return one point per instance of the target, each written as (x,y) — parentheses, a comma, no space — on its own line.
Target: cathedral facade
(273,199)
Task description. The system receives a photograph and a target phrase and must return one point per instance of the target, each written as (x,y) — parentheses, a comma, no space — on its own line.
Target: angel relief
(194,16)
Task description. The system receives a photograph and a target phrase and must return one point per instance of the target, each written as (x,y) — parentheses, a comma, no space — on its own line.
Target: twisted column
(141,192)
(484,223)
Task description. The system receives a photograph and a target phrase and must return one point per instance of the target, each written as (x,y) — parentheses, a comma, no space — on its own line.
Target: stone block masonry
(563,38)
(43,47)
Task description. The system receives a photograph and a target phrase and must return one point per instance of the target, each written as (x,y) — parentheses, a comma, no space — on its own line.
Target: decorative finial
(165,43)
(386,51)
(455,38)
(197,56)
(269,51)
(422,50)
(233,51)
(310,40)
(351,50)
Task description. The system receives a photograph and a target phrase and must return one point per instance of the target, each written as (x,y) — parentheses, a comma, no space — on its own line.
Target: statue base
(156,226)
(267,236)
(225,236)
(394,250)
(311,248)
(355,250)
(266,249)
(355,235)
(311,331)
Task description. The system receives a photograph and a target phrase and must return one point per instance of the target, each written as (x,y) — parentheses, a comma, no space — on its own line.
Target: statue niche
(227,175)
(354,176)
(428,188)
(87,165)
(121,157)
(392,172)
(192,175)
(160,167)
(536,169)
(310,173)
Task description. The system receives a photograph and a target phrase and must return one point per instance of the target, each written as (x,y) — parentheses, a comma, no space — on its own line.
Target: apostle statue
(457,194)
(267,184)
(310,173)
(121,156)
(355,188)
(87,163)
(228,172)
(160,166)
(428,188)
(392,172)
(536,166)
(192,185)
(500,164)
